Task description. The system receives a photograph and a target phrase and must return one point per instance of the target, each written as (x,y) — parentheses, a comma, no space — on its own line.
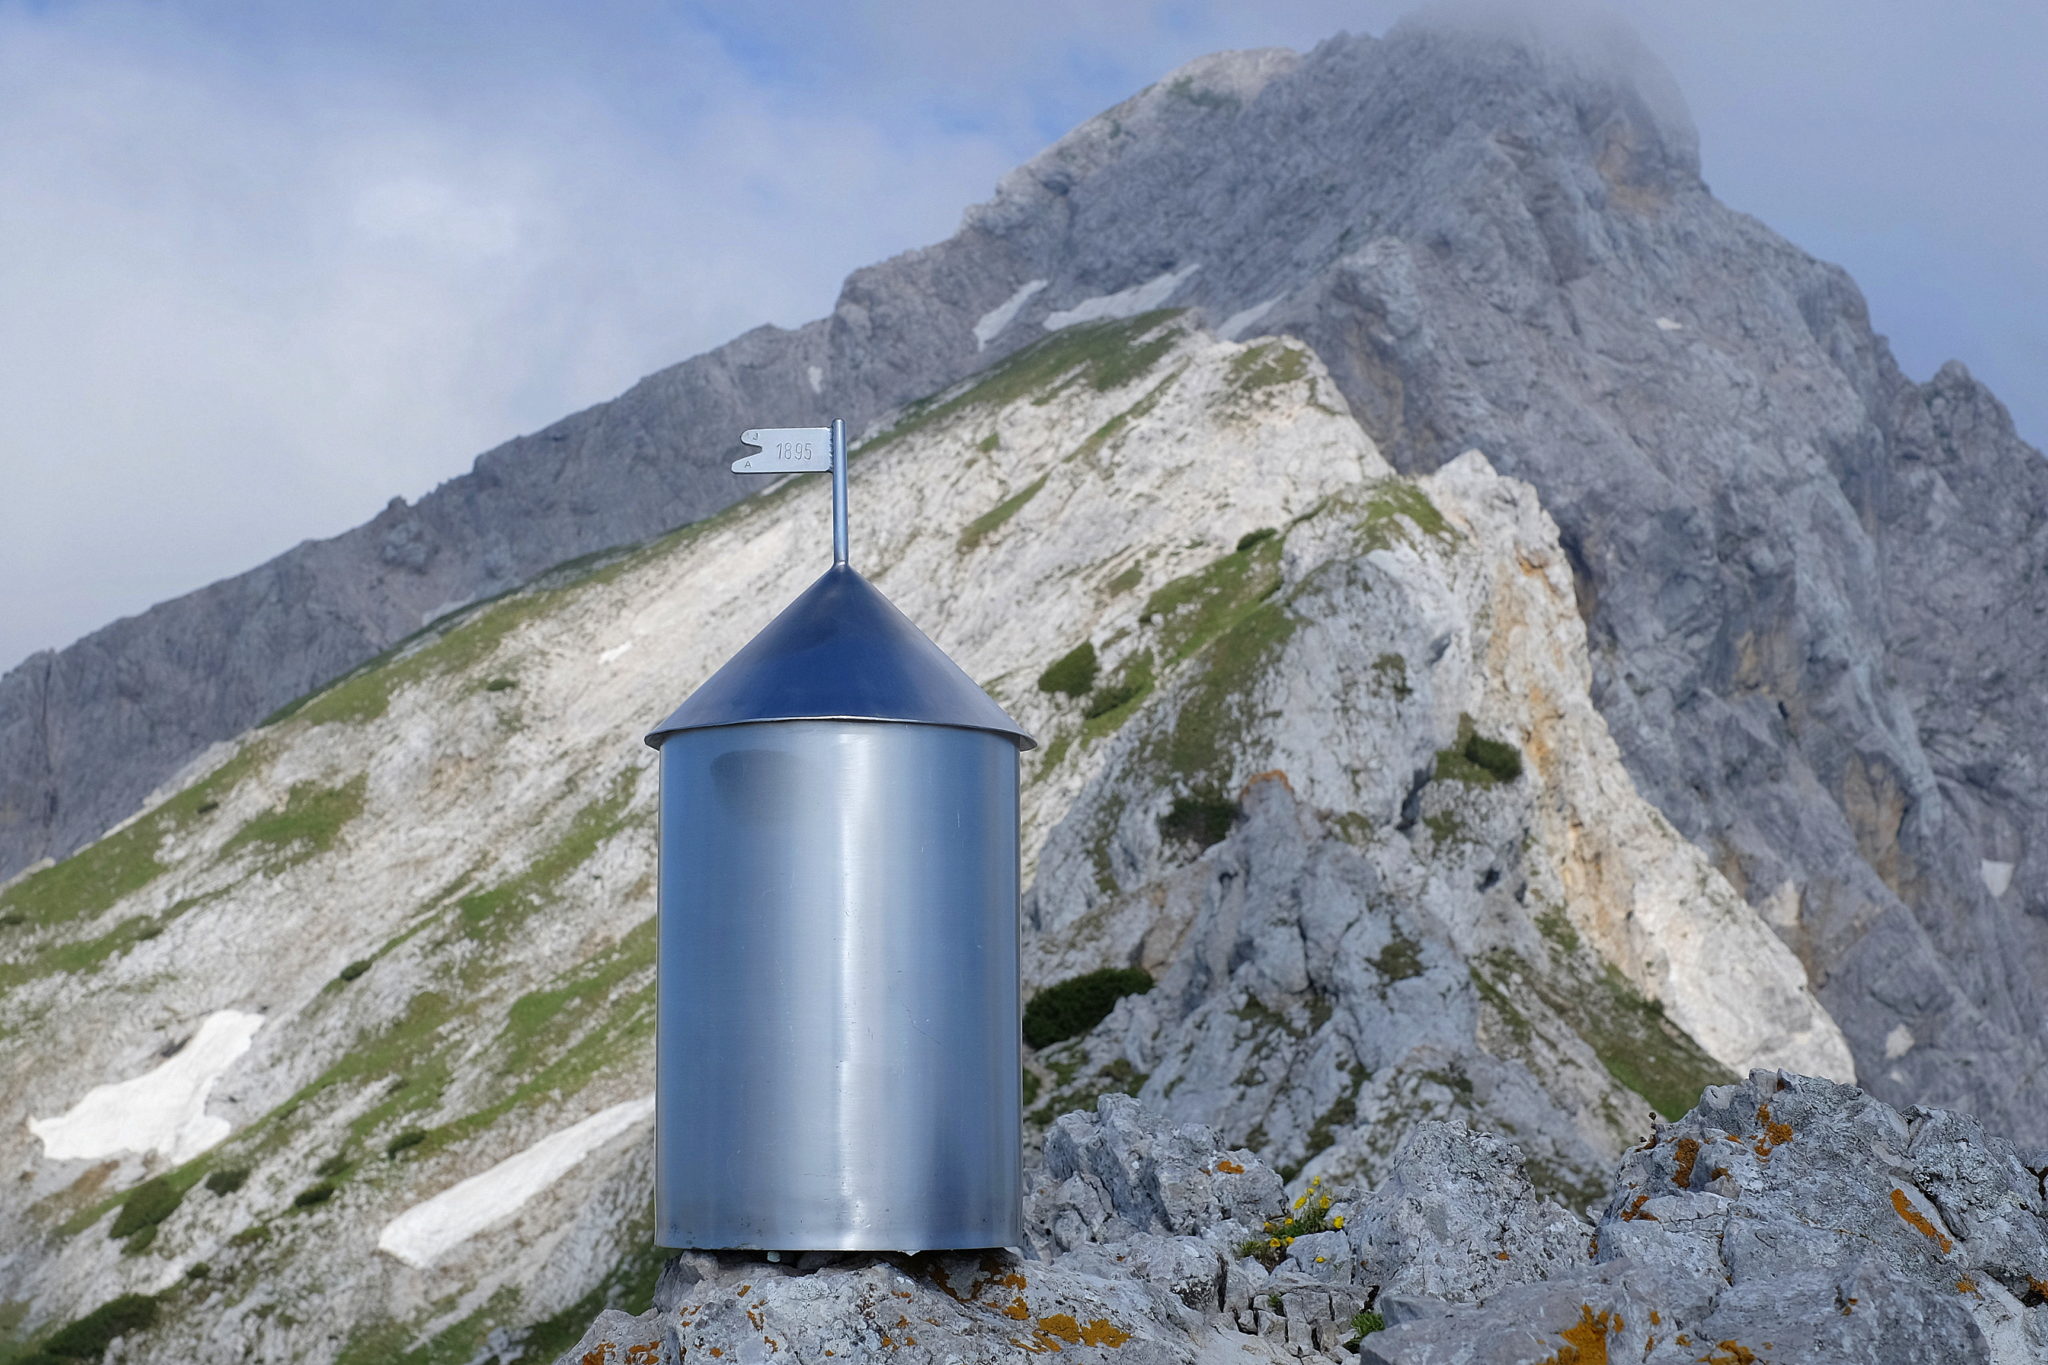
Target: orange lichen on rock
(1730,1353)
(1774,1134)
(1684,1153)
(1966,1285)
(1918,1222)
(1635,1211)
(1500,1255)
(1101,1332)
(1585,1341)
(1227,1167)
(754,1317)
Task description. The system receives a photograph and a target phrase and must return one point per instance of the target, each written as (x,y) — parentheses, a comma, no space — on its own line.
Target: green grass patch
(1365,1322)
(1640,1048)
(89,1336)
(1195,608)
(1076,1005)
(490,914)
(1125,581)
(989,522)
(1267,365)
(1108,431)
(307,825)
(1556,926)
(1393,673)
(1399,960)
(543,1022)
(1134,684)
(92,880)
(353,969)
(1102,355)
(1073,673)
(1392,508)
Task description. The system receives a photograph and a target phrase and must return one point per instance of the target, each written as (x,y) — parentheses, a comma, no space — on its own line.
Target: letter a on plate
(786,450)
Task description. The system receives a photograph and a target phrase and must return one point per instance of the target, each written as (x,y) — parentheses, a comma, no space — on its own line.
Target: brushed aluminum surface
(838,1041)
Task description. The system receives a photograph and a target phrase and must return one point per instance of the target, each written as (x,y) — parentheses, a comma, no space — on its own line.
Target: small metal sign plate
(786,450)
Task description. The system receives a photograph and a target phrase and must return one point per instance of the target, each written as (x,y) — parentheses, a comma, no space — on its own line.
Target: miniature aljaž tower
(838,1055)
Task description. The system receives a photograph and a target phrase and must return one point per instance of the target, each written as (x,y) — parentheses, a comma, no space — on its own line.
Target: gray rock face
(1812,585)
(1783,1219)
(1828,1228)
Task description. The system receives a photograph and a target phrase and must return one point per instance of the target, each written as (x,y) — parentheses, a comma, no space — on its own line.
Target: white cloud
(265,266)
(256,289)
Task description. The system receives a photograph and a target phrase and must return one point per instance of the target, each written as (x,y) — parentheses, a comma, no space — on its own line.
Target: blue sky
(264,266)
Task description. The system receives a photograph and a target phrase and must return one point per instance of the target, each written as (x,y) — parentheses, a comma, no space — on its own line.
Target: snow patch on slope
(1125,303)
(161,1111)
(997,318)
(424,1232)
(1234,325)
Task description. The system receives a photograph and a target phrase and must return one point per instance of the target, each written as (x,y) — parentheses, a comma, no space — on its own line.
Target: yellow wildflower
(1322,1258)
(1273,1241)
(1299,1202)
(1338,1221)
(1326,1201)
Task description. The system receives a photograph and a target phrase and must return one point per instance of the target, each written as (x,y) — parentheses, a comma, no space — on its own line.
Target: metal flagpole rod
(838,491)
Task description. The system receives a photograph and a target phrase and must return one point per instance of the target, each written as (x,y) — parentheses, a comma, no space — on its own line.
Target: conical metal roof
(841,651)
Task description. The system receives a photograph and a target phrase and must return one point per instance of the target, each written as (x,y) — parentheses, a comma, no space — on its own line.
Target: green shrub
(1365,1322)
(405,1141)
(1477,760)
(1072,673)
(354,969)
(1201,819)
(501,684)
(335,1165)
(146,1205)
(89,1337)
(318,1194)
(1110,698)
(1251,538)
(1072,1007)
(1498,757)
(228,1180)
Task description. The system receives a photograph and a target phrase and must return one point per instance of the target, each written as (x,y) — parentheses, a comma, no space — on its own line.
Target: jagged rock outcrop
(1829,1229)
(1812,585)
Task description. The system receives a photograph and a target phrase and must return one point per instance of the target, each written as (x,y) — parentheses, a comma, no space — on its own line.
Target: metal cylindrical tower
(838,1060)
